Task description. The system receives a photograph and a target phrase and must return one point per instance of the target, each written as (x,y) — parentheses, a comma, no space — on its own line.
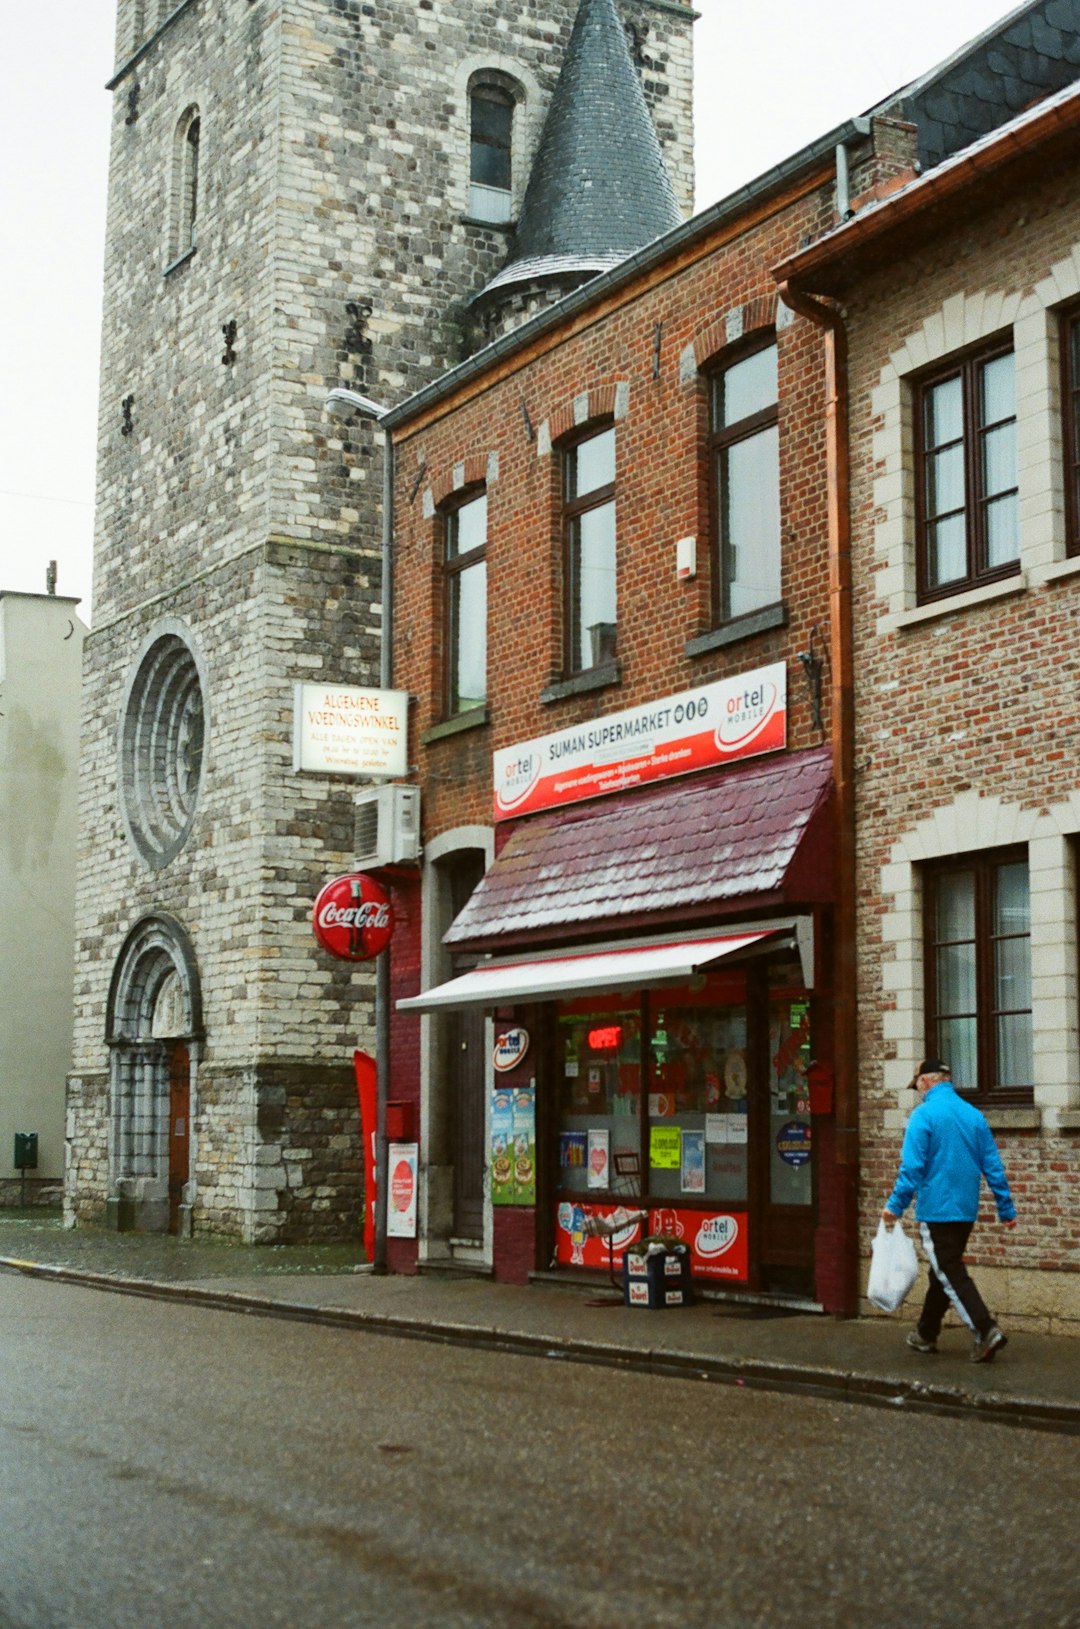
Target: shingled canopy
(752,839)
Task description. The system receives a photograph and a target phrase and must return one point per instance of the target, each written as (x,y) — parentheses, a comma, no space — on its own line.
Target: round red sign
(353,918)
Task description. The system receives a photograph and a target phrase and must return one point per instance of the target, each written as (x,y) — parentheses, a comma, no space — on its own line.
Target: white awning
(589,971)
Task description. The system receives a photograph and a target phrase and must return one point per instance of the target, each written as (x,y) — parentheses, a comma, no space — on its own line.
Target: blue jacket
(948,1146)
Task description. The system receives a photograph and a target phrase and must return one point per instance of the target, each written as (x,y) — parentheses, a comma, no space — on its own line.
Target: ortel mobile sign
(699,729)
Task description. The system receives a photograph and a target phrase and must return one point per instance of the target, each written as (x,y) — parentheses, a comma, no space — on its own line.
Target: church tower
(304,194)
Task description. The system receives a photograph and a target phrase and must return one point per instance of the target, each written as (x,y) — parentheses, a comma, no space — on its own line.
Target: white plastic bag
(894,1267)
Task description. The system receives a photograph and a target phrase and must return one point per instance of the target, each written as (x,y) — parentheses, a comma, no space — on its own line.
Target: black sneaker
(988,1346)
(917,1344)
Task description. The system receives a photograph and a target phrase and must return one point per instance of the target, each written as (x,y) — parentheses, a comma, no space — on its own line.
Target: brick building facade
(640,355)
(960,295)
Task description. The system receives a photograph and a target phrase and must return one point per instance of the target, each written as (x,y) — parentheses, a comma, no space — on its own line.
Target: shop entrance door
(785,1170)
(466,1068)
(179,1130)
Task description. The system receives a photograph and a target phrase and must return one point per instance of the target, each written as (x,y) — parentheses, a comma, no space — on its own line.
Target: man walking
(948,1148)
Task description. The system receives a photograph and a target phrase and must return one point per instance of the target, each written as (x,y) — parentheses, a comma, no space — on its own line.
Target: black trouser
(950,1282)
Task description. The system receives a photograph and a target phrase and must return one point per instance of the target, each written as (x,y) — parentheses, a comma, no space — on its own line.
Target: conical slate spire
(599,188)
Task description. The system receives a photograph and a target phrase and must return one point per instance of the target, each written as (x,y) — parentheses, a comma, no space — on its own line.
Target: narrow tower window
(189,200)
(491,126)
(185,186)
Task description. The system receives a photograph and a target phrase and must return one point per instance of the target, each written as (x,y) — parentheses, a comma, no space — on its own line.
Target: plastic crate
(659,1280)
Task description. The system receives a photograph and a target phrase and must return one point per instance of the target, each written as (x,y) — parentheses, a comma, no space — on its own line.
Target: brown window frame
(454,567)
(1069,331)
(967,367)
(983,865)
(572,511)
(721,438)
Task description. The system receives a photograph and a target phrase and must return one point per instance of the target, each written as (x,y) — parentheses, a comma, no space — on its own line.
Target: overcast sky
(769,80)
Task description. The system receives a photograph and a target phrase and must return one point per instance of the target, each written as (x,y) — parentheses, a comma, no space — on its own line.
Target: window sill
(1068,1120)
(1064,568)
(474,719)
(1014,1119)
(491,226)
(745,627)
(965,601)
(181,260)
(595,678)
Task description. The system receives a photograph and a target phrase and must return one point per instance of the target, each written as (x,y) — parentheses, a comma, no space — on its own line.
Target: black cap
(933,1066)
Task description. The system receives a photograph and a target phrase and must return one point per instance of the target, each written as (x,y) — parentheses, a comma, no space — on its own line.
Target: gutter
(690,232)
(1058,115)
(828,316)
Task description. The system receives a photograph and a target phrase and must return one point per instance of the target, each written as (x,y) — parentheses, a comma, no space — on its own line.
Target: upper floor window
(589,551)
(491,130)
(968,511)
(1070,395)
(466,604)
(745,443)
(978,967)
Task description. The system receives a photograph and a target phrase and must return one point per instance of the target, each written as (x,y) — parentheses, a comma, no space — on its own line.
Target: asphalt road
(188,1467)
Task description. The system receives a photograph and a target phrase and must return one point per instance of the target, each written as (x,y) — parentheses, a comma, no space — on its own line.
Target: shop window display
(666,1121)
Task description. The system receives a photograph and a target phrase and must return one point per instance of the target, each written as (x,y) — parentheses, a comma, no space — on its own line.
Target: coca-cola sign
(353,918)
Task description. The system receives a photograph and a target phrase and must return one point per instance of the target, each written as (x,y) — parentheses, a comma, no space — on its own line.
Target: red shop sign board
(717,1240)
(715,724)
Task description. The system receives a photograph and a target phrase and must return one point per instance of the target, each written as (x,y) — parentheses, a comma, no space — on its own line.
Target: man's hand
(887,1216)
(1010,1223)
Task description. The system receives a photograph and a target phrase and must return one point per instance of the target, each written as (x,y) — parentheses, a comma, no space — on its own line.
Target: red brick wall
(662,495)
(984,700)
(515,1243)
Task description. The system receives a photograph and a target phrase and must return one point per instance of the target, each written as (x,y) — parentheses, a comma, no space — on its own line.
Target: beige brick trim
(962,320)
(972,822)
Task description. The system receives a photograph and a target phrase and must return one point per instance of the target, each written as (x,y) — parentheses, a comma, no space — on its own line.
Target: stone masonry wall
(330,248)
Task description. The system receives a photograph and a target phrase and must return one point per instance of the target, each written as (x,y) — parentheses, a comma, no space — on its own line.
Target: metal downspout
(382,963)
(829,317)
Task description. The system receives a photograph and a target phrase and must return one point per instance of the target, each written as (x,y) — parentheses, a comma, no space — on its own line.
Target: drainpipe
(828,316)
(342,403)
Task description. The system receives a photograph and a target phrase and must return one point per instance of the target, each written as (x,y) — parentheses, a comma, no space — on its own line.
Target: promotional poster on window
(699,729)
(717,1240)
(513,1145)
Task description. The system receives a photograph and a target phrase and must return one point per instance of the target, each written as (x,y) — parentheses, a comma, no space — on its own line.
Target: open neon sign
(606,1040)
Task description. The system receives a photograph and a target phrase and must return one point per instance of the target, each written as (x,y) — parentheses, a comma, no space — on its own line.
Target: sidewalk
(1035,1382)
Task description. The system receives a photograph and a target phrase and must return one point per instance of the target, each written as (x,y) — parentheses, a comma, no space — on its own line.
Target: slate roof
(708,840)
(1030,53)
(599,188)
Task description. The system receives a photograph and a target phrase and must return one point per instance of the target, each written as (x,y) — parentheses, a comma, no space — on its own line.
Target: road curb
(840,1385)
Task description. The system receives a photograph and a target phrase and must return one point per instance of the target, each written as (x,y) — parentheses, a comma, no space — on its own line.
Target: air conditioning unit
(387,826)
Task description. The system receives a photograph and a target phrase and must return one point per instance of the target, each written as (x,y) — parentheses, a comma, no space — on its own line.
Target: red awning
(683,851)
(601,968)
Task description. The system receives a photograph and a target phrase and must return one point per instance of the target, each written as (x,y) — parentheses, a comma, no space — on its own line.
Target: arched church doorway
(154,1023)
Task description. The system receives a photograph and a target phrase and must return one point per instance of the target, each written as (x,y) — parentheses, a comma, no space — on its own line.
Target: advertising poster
(523,1115)
(665,1148)
(502,1146)
(692,1173)
(599,1159)
(572,1149)
(401,1211)
(717,1240)
(715,724)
